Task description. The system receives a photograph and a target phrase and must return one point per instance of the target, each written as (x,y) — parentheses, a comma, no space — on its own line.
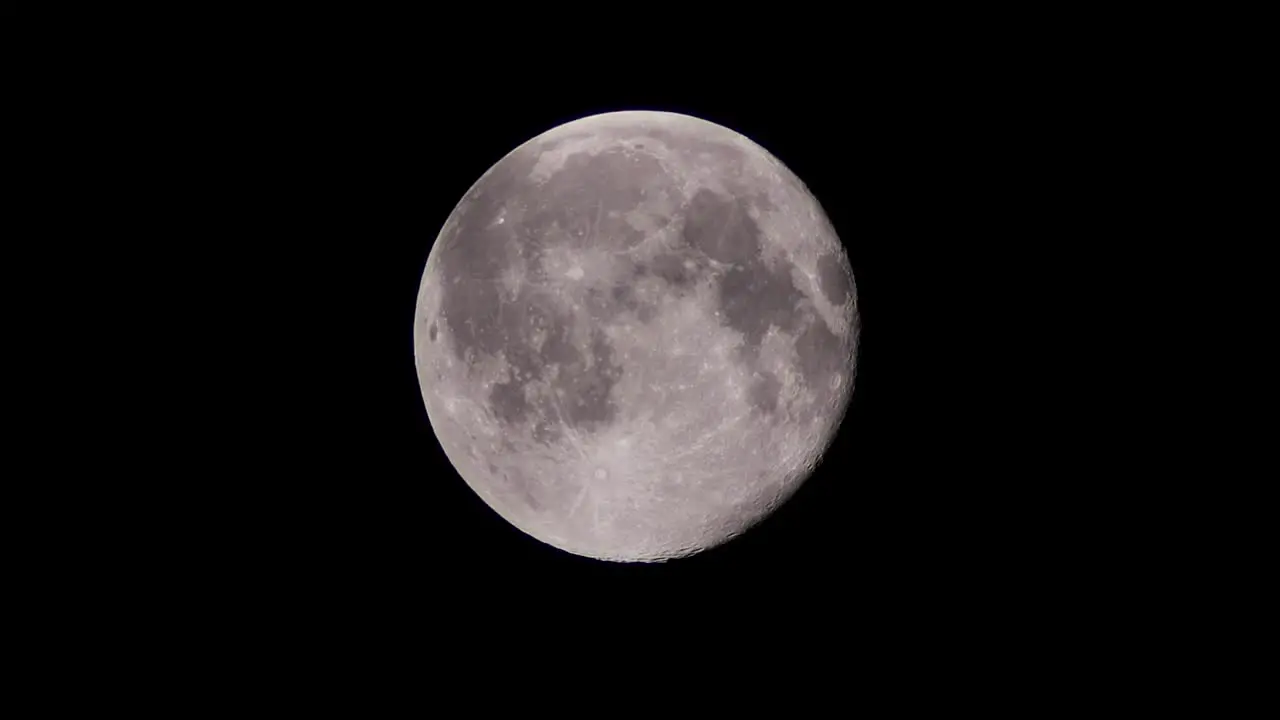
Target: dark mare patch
(834,279)
(540,337)
(821,355)
(574,205)
(763,392)
(754,294)
(473,255)
(720,228)
(530,330)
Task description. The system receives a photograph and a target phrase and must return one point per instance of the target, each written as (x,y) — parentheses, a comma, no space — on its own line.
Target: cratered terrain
(636,335)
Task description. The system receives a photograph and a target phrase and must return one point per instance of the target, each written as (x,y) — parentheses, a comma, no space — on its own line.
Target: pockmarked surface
(636,335)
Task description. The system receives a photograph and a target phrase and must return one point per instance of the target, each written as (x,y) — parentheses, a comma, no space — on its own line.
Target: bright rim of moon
(636,335)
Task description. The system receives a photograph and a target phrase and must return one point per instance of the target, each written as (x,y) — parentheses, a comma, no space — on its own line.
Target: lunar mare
(636,335)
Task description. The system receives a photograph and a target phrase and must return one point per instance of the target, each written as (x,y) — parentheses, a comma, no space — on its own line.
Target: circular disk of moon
(636,335)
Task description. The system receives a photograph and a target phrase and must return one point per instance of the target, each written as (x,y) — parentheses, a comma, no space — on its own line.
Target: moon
(636,335)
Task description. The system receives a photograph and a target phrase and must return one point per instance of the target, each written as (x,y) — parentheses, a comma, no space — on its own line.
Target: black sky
(301,174)
(372,158)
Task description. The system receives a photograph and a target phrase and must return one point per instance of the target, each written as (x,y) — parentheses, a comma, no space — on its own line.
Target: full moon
(636,335)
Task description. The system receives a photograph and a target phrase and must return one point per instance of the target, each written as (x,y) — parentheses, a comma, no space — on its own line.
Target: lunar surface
(636,335)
